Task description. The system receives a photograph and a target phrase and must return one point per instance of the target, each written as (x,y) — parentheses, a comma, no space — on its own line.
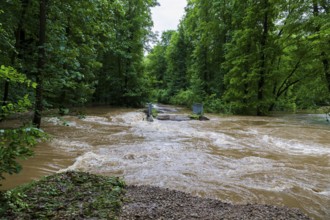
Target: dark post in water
(149,113)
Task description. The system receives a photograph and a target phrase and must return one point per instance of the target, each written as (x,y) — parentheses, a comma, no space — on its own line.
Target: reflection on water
(280,160)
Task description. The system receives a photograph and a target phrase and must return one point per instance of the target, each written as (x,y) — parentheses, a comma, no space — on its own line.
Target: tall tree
(41,63)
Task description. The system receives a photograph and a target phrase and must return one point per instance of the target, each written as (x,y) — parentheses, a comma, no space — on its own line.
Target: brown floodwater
(281,160)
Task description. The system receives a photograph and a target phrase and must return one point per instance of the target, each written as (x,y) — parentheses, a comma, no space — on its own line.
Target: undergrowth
(70,195)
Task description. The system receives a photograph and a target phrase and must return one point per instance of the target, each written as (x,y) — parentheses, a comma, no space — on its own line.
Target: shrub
(14,144)
(184,97)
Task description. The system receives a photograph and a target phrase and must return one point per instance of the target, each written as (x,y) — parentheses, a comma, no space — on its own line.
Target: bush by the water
(70,195)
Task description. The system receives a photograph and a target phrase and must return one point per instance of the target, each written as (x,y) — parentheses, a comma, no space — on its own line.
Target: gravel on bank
(146,202)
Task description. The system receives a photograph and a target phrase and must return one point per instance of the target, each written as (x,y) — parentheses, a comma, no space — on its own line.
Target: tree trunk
(262,72)
(5,99)
(5,93)
(40,64)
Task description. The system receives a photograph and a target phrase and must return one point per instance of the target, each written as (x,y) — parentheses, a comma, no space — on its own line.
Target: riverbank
(77,195)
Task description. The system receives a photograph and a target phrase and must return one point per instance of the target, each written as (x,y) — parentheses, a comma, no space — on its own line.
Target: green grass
(154,113)
(195,116)
(70,195)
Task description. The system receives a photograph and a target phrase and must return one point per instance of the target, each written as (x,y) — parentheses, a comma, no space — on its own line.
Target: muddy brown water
(281,160)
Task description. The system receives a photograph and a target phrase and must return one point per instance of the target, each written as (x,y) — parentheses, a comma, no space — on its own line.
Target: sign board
(198,109)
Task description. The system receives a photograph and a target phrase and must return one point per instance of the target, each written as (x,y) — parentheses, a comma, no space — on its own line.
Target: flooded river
(279,160)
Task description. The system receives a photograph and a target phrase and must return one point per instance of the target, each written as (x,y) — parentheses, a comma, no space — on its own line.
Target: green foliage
(154,113)
(12,200)
(246,57)
(185,98)
(63,111)
(11,74)
(215,104)
(11,108)
(67,195)
(161,95)
(176,73)
(194,116)
(21,104)
(17,144)
(94,49)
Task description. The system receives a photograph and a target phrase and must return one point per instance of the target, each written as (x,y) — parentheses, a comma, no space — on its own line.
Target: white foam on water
(129,118)
(325,193)
(295,147)
(141,163)
(97,120)
(65,121)
(70,145)
(53,120)
(87,162)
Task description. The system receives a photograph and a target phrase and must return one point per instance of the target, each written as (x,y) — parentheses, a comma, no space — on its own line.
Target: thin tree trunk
(5,93)
(41,64)
(262,73)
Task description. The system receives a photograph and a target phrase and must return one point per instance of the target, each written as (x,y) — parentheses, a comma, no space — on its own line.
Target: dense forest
(246,57)
(77,53)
